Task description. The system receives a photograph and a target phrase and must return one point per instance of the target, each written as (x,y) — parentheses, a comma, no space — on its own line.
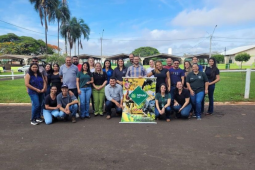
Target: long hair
(156,69)
(214,68)
(163,84)
(56,65)
(101,72)
(118,63)
(110,67)
(31,73)
(188,70)
(49,71)
(88,70)
(93,61)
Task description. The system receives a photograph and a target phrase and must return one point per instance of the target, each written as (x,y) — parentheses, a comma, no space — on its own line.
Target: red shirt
(168,67)
(79,67)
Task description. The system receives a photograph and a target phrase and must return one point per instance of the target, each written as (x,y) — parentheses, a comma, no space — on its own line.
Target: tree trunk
(75,48)
(66,45)
(58,37)
(45,20)
(78,46)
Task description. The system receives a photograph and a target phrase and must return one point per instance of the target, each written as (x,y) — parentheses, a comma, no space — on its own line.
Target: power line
(233,38)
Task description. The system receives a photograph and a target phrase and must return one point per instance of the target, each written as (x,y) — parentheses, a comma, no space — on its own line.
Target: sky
(185,26)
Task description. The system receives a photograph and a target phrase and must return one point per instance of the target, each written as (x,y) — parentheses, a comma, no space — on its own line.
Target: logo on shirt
(199,77)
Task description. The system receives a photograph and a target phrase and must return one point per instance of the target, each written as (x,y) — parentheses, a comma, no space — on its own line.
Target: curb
(215,103)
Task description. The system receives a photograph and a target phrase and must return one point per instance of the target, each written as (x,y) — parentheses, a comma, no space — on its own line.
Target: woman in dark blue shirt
(36,85)
(120,71)
(108,69)
(213,75)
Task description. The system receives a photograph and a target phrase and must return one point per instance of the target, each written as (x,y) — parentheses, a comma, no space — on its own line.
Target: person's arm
(185,104)
(44,85)
(128,72)
(182,77)
(175,103)
(61,72)
(149,74)
(102,86)
(168,80)
(157,106)
(59,106)
(144,72)
(78,85)
(216,80)
(190,90)
(91,81)
(168,103)
(27,79)
(47,107)
(206,87)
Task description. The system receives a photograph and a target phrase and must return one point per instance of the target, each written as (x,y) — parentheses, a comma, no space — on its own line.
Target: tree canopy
(23,45)
(242,57)
(145,51)
(218,57)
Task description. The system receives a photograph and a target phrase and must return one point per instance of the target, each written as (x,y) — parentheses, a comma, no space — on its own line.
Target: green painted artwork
(138,95)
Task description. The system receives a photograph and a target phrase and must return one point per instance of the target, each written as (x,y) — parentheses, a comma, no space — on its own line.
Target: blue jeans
(185,111)
(196,102)
(210,96)
(109,105)
(47,114)
(84,101)
(37,101)
(167,112)
(73,109)
(172,95)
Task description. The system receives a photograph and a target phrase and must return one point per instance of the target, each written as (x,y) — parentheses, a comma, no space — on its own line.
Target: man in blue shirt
(176,74)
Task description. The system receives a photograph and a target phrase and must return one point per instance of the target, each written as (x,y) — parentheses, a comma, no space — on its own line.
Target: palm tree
(84,30)
(46,9)
(62,15)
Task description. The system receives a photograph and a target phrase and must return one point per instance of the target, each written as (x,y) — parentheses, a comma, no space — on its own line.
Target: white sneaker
(77,115)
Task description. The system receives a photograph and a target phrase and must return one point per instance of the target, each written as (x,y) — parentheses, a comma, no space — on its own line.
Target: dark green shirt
(162,101)
(84,78)
(197,81)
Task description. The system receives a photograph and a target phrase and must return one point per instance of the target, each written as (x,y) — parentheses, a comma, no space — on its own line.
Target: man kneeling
(67,103)
(114,95)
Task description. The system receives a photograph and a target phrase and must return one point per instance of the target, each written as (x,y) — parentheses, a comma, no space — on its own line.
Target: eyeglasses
(35,61)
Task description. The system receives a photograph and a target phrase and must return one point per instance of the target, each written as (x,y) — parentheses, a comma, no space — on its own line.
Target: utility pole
(102,42)
(211,41)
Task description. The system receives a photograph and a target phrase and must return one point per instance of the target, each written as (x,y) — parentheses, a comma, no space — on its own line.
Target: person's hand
(169,88)
(38,90)
(206,91)
(79,91)
(117,104)
(180,110)
(192,93)
(140,77)
(88,82)
(176,104)
(67,111)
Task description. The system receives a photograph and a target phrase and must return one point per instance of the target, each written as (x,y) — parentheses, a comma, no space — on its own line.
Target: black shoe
(88,117)
(82,118)
(66,117)
(39,120)
(33,122)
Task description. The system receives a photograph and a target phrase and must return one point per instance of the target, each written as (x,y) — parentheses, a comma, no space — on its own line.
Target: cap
(64,86)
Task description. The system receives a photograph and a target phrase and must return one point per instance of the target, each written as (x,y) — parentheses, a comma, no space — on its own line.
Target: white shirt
(148,70)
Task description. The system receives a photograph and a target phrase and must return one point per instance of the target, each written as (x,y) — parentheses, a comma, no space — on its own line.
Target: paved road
(224,141)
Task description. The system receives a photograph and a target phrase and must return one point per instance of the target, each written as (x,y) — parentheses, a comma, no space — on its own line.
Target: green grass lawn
(230,88)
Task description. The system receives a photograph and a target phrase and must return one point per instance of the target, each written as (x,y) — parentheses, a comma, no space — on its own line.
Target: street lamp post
(102,42)
(211,41)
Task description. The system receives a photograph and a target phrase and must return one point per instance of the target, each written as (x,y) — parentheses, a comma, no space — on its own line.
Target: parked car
(24,68)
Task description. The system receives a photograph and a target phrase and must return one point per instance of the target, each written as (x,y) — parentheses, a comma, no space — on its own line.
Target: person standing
(162,100)
(84,81)
(51,110)
(136,70)
(197,83)
(195,61)
(36,86)
(169,62)
(152,67)
(187,69)
(162,74)
(55,78)
(67,103)
(120,71)
(114,96)
(213,75)
(91,62)
(131,60)
(176,74)
(181,101)
(107,68)
(49,71)
(68,72)
(76,62)
(100,80)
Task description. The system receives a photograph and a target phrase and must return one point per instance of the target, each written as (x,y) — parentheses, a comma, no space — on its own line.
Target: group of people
(54,90)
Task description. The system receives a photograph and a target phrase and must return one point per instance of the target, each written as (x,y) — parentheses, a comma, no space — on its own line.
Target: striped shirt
(136,71)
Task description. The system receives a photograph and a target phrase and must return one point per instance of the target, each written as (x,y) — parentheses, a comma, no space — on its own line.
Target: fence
(247,80)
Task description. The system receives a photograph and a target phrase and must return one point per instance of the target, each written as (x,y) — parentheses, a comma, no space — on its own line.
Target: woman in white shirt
(152,66)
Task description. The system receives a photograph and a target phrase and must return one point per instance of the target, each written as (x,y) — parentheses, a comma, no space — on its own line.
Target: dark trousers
(75,92)
(109,105)
(210,96)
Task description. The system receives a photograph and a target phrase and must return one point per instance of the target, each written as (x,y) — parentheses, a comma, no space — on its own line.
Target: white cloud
(224,13)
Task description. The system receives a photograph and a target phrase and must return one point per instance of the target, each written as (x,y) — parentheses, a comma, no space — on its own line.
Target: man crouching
(67,103)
